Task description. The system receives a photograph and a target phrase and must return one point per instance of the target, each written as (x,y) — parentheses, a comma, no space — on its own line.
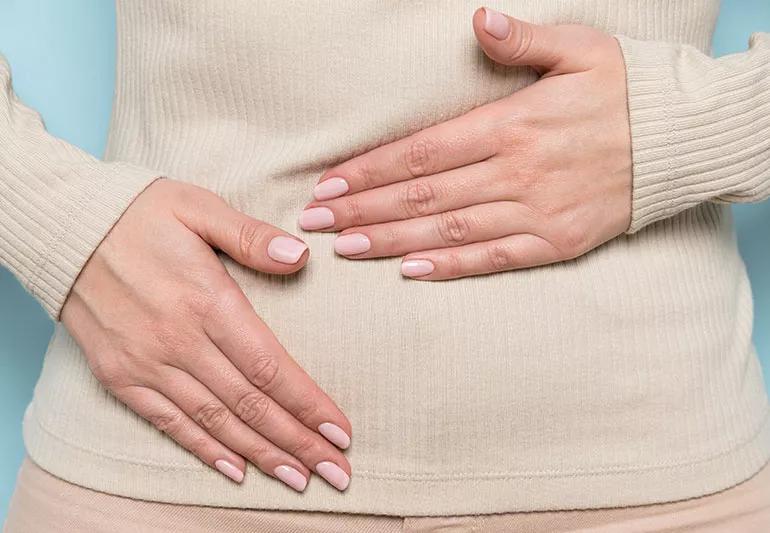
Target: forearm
(700,126)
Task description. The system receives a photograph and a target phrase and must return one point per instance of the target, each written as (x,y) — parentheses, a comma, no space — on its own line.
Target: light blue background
(62,55)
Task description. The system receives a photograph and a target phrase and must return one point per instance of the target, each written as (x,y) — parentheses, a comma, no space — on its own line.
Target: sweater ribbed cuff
(699,128)
(48,234)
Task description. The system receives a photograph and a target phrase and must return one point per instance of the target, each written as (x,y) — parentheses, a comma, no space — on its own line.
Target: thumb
(249,241)
(510,41)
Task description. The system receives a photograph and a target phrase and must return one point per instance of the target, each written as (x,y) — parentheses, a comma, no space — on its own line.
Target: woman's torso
(624,377)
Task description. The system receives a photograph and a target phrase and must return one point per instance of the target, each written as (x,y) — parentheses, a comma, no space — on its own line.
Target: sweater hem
(404,495)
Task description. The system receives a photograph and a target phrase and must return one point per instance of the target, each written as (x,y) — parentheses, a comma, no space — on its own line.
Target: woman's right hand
(169,333)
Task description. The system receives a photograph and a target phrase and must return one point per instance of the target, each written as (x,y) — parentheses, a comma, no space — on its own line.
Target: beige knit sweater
(624,377)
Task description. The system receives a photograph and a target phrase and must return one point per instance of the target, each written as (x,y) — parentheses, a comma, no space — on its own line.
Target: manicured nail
(316,218)
(352,244)
(414,268)
(334,434)
(286,250)
(291,477)
(496,24)
(229,469)
(331,188)
(333,474)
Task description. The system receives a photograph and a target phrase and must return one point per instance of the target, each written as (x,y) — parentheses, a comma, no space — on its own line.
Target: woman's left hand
(538,177)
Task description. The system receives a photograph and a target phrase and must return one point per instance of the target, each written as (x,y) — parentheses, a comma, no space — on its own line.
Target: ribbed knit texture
(624,377)
(700,126)
(56,201)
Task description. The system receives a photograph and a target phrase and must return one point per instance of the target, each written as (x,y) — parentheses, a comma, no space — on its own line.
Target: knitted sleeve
(57,202)
(700,127)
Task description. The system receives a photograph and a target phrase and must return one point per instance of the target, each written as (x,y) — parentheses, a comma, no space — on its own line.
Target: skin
(153,312)
(541,176)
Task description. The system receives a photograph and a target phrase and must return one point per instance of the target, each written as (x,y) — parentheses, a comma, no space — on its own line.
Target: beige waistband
(43,502)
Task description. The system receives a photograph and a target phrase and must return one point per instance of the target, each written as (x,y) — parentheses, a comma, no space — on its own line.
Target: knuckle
(207,290)
(188,194)
(264,371)
(216,305)
(303,446)
(170,340)
(212,417)
(501,257)
(573,240)
(453,265)
(510,134)
(526,180)
(353,212)
(167,421)
(367,175)
(224,300)
(258,453)
(453,228)
(250,234)
(421,157)
(198,446)
(390,238)
(196,304)
(108,374)
(308,409)
(521,43)
(418,198)
(252,408)
(525,170)
(554,214)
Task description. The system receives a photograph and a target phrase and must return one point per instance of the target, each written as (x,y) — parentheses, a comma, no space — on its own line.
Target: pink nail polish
(352,244)
(229,469)
(316,218)
(414,268)
(496,24)
(286,250)
(334,434)
(291,476)
(331,188)
(333,474)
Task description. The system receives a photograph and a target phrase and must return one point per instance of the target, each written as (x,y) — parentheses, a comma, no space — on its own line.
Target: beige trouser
(43,503)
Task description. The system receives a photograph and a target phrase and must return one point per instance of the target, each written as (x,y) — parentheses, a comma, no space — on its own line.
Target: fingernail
(334,434)
(291,477)
(414,268)
(316,218)
(496,24)
(229,469)
(352,244)
(331,188)
(333,474)
(286,250)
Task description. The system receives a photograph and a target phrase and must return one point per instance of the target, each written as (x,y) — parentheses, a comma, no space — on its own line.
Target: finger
(457,142)
(453,189)
(255,351)
(509,253)
(202,406)
(510,41)
(154,406)
(452,228)
(251,242)
(168,418)
(260,412)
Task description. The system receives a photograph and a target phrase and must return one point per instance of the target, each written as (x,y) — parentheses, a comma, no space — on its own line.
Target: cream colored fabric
(56,201)
(43,502)
(699,127)
(624,377)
